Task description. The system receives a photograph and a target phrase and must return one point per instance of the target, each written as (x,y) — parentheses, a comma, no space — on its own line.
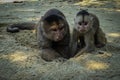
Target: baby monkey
(86,34)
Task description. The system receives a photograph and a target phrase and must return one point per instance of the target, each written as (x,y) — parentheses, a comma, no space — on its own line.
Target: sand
(19,55)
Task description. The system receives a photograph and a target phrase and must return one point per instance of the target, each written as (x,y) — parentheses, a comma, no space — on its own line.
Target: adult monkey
(53,35)
(86,34)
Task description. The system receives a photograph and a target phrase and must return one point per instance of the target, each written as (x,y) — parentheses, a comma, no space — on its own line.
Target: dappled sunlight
(113,34)
(16,56)
(102,3)
(25,10)
(105,55)
(118,10)
(32,19)
(89,2)
(94,65)
(81,57)
(34,31)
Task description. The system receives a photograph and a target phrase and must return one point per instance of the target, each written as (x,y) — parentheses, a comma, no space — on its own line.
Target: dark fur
(20,26)
(51,49)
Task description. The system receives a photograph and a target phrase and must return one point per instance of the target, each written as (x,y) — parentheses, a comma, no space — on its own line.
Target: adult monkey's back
(53,35)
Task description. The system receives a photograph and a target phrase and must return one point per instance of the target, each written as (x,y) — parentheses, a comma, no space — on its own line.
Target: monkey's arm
(63,47)
(46,52)
(89,43)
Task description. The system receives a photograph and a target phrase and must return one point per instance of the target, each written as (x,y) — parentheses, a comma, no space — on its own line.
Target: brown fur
(53,35)
(13,28)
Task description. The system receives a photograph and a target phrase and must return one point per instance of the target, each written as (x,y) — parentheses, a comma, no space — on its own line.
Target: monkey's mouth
(58,38)
(82,30)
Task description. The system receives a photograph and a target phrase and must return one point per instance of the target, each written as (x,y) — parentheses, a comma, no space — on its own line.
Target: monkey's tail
(20,26)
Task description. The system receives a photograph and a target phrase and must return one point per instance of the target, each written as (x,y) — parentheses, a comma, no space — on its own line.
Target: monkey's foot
(85,50)
(79,53)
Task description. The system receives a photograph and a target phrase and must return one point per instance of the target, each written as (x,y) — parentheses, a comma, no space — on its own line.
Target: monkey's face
(83,23)
(55,30)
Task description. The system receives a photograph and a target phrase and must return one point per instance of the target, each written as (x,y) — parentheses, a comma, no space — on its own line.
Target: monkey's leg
(89,44)
(49,54)
(100,39)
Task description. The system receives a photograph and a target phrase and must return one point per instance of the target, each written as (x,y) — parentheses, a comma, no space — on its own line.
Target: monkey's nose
(57,37)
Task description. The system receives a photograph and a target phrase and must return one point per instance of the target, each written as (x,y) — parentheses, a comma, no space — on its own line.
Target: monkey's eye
(80,23)
(85,23)
(61,24)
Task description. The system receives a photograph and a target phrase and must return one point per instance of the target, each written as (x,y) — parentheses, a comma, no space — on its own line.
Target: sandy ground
(19,55)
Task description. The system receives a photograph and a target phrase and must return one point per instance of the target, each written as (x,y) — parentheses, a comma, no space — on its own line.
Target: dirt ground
(19,55)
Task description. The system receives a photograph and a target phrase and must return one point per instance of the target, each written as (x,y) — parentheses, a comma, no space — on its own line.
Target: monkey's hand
(89,43)
(80,52)
(85,50)
(49,54)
